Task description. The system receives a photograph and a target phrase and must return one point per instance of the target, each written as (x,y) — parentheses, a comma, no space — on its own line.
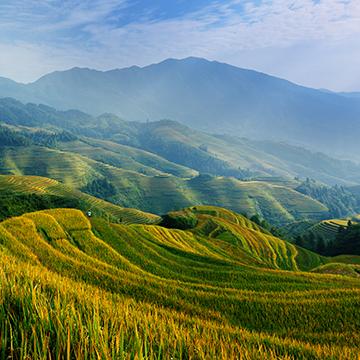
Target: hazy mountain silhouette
(211,96)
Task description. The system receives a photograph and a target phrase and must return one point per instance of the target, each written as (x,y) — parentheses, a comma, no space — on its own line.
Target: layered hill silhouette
(221,287)
(210,96)
(161,166)
(201,282)
(175,144)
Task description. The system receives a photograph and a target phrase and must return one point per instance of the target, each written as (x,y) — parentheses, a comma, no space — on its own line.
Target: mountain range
(210,96)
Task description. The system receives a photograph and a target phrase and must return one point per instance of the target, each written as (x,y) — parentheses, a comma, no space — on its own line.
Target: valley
(139,166)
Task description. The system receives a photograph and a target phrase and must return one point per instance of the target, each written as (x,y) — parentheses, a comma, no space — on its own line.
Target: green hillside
(341,201)
(327,237)
(328,229)
(125,157)
(278,204)
(339,269)
(234,156)
(20,194)
(132,175)
(223,288)
(129,158)
(158,192)
(206,153)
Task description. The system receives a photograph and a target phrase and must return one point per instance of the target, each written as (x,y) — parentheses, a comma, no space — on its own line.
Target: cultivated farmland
(73,287)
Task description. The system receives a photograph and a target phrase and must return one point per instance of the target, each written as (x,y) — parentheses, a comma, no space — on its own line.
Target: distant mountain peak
(207,95)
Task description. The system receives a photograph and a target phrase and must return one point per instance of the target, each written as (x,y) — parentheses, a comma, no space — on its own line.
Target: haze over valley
(199,93)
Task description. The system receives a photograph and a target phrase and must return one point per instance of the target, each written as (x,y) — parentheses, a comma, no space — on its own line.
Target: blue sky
(311,42)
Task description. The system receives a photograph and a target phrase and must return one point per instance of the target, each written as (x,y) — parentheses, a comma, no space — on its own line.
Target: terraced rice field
(223,289)
(154,192)
(328,229)
(49,187)
(71,169)
(278,204)
(126,157)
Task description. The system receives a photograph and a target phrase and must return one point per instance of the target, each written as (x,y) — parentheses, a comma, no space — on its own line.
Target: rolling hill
(160,193)
(241,157)
(327,237)
(199,151)
(223,288)
(155,166)
(329,228)
(20,194)
(210,96)
(132,177)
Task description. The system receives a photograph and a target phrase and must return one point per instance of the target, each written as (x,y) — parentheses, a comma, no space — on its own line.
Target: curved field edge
(12,186)
(162,193)
(229,306)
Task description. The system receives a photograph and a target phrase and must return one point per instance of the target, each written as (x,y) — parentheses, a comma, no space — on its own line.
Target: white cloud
(55,15)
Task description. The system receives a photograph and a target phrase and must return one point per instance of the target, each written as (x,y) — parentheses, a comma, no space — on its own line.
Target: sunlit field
(71,288)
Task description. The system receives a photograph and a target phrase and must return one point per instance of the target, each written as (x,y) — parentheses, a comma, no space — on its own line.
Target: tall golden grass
(74,289)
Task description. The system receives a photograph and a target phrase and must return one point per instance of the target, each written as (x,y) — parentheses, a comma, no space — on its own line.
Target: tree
(299,241)
(320,245)
(256,219)
(348,241)
(311,241)
(341,229)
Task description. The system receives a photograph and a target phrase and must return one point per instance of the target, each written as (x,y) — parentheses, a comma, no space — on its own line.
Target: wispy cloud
(102,34)
(55,15)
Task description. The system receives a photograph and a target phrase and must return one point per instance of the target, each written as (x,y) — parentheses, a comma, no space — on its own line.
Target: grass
(74,288)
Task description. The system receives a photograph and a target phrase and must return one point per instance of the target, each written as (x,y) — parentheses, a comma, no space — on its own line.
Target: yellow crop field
(78,288)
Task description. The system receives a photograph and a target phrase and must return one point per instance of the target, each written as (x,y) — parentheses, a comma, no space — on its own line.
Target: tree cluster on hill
(17,204)
(273,230)
(313,242)
(100,188)
(179,220)
(347,241)
(198,158)
(11,138)
(339,200)
(22,137)
(44,138)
